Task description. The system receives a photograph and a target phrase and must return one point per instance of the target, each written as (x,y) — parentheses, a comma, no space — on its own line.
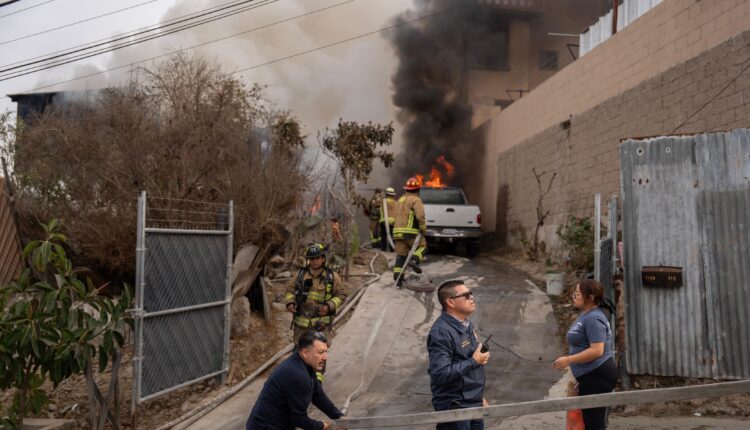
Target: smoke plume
(428,84)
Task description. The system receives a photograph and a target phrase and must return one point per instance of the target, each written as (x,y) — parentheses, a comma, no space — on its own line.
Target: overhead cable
(254,4)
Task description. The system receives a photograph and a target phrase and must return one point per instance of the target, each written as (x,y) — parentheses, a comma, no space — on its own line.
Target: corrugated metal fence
(686,203)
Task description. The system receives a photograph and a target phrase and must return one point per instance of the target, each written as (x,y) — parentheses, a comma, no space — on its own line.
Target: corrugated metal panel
(686,203)
(10,254)
(629,11)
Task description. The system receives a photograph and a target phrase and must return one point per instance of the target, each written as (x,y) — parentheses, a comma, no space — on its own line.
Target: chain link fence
(183,295)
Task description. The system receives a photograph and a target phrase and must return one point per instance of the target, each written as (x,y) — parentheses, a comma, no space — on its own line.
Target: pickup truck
(450,219)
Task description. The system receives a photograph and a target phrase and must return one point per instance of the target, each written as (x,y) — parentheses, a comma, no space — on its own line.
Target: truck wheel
(472,249)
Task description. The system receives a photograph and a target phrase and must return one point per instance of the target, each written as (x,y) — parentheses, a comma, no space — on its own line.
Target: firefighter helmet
(390,191)
(315,250)
(412,184)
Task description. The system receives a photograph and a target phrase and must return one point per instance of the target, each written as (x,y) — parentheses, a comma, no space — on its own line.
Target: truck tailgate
(458,216)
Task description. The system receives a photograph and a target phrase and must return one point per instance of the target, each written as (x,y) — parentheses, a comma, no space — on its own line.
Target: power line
(76,23)
(390,27)
(21,10)
(127,35)
(254,4)
(185,49)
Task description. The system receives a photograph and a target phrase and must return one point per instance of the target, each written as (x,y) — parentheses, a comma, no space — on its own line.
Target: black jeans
(598,381)
(460,425)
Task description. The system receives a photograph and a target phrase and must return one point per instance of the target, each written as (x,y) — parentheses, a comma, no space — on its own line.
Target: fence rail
(551,405)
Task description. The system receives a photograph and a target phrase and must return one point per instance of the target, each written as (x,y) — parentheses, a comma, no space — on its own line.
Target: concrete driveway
(395,372)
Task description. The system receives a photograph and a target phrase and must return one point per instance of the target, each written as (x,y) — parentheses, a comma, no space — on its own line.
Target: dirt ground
(566,313)
(265,338)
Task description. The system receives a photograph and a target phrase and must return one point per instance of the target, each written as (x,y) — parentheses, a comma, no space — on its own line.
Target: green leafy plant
(578,236)
(51,326)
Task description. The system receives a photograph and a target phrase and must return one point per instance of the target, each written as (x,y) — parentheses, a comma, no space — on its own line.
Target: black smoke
(434,53)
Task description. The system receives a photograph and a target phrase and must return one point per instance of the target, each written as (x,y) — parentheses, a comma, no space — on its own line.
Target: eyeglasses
(467,295)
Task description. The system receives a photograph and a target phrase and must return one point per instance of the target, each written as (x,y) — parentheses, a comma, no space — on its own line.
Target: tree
(354,147)
(52,325)
(182,129)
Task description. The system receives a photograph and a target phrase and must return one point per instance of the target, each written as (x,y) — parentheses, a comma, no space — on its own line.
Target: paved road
(395,372)
(518,315)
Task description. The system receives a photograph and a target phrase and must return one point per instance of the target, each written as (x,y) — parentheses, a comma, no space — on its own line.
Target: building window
(548,60)
(487,41)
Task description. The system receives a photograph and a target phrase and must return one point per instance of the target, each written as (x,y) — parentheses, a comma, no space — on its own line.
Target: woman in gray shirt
(590,350)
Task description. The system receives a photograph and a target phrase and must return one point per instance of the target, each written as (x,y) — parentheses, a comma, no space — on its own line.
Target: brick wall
(672,33)
(584,152)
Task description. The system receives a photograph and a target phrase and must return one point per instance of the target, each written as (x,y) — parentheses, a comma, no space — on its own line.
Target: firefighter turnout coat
(312,289)
(390,202)
(409,216)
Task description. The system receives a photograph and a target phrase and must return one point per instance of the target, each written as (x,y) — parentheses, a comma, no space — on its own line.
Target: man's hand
(481,357)
(323,310)
(485,403)
(326,426)
(291,307)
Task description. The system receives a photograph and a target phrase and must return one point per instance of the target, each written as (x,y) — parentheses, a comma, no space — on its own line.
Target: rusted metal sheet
(686,204)
(10,252)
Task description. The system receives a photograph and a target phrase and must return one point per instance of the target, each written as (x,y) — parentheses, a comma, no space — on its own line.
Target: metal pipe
(228,292)
(186,231)
(185,309)
(140,251)
(597,236)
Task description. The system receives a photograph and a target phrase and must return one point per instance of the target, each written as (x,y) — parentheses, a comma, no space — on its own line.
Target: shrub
(52,324)
(578,236)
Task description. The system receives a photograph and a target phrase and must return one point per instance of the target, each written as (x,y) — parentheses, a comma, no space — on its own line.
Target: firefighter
(373,212)
(315,295)
(409,221)
(389,205)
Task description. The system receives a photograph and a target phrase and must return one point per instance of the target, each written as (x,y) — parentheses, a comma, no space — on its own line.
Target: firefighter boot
(414,264)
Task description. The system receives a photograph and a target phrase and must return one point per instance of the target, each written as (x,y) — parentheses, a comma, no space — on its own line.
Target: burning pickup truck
(450,219)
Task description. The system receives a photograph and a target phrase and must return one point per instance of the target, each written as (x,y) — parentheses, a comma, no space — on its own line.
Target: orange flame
(438,179)
(315,207)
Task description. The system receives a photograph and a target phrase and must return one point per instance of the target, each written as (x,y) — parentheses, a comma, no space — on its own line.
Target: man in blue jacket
(456,357)
(292,386)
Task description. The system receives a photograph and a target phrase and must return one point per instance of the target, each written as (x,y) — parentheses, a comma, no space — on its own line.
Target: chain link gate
(182,296)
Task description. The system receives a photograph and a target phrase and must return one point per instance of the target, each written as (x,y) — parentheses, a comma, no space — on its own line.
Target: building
(523,43)
(680,67)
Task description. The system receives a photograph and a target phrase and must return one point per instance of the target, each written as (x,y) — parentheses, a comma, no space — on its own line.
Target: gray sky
(350,81)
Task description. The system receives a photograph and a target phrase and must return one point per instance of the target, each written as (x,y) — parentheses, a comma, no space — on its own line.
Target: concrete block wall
(707,93)
(666,37)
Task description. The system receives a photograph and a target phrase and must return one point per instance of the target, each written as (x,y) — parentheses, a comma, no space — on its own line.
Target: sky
(350,80)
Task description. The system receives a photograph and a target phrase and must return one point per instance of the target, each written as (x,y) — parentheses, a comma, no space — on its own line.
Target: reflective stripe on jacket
(409,215)
(390,202)
(326,289)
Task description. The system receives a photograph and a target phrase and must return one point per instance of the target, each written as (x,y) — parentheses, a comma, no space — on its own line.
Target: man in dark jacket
(456,357)
(286,395)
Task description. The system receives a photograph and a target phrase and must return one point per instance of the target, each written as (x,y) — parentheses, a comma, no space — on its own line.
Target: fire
(441,172)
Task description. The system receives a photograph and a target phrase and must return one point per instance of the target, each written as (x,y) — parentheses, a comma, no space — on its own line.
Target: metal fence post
(597,235)
(140,259)
(228,297)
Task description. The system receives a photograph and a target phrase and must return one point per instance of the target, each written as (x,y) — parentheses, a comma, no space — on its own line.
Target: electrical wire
(513,353)
(257,65)
(254,5)
(709,101)
(126,35)
(76,23)
(21,10)
(390,27)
